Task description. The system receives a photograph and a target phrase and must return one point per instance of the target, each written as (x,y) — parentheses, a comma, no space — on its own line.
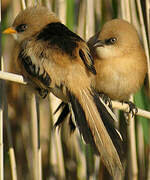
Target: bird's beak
(98,43)
(10,30)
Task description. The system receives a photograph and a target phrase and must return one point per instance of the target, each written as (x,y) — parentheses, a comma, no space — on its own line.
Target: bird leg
(42,92)
(132,107)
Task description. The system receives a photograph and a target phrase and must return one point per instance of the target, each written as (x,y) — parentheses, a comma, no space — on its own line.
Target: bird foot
(43,92)
(106,100)
(132,107)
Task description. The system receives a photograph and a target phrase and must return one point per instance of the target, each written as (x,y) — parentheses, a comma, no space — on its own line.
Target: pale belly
(117,86)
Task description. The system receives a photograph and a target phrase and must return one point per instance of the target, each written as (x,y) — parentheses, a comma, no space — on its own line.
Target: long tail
(94,120)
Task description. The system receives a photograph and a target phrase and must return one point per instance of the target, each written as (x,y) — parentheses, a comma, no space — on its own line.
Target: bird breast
(119,78)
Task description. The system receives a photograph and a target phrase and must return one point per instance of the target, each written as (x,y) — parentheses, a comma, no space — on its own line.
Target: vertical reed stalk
(90,23)
(148,19)
(132,146)
(145,41)
(140,147)
(1,126)
(81,19)
(35,137)
(148,169)
(23,4)
(9,136)
(54,102)
(131,127)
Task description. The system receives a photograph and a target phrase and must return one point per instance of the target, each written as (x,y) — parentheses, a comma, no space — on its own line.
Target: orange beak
(9,30)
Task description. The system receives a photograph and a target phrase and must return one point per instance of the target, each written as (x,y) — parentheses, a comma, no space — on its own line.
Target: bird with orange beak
(54,59)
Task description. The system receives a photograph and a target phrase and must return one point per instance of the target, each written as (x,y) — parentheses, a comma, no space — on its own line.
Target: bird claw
(106,100)
(43,92)
(132,108)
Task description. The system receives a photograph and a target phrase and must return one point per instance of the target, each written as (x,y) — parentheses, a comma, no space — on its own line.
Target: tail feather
(63,115)
(107,119)
(81,122)
(92,127)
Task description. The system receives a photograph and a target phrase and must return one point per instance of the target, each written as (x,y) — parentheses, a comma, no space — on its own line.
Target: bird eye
(110,41)
(21,28)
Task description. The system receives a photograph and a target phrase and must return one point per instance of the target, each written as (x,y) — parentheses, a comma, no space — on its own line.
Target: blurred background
(33,149)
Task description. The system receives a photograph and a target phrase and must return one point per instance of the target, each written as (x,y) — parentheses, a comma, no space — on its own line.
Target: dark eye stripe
(21,27)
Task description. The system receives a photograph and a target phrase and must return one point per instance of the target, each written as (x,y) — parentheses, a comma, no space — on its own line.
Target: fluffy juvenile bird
(119,58)
(56,60)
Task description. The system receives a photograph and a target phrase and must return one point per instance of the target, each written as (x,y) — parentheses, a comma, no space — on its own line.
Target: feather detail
(87,59)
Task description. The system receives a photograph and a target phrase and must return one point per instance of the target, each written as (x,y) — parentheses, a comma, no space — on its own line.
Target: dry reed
(82,163)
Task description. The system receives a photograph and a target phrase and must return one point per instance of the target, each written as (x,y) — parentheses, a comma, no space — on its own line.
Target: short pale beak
(10,30)
(99,43)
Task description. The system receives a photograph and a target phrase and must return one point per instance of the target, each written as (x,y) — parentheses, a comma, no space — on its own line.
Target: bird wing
(86,57)
(33,69)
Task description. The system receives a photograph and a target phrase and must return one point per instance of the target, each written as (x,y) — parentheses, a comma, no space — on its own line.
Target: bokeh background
(30,148)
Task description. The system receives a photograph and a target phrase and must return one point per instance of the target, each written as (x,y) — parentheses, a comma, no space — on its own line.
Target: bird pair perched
(56,60)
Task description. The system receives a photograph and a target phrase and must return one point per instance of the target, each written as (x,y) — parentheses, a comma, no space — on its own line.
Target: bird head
(116,39)
(30,21)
